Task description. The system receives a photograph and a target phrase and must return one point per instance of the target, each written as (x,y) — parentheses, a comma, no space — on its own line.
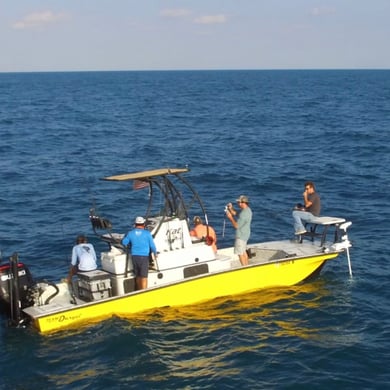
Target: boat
(186,271)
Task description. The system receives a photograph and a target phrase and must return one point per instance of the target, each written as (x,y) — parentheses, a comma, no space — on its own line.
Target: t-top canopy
(146,174)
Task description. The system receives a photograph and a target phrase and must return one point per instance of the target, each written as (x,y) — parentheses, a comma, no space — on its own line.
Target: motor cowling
(7,293)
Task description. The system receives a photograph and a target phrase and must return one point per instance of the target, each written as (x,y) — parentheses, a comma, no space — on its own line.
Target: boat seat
(319,228)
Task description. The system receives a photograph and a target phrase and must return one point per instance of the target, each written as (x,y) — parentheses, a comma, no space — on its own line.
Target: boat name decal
(289,262)
(64,317)
(174,234)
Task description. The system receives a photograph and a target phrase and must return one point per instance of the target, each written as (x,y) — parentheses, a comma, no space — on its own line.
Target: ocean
(258,133)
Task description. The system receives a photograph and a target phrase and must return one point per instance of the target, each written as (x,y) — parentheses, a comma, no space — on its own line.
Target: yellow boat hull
(282,273)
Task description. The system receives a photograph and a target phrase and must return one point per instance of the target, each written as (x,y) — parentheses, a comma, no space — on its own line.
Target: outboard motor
(15,282)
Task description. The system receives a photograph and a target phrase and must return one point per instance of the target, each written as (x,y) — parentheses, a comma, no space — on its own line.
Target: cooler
(115,264)
(122,284)
(94,285)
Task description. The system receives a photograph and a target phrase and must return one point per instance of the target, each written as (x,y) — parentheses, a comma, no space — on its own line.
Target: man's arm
(306,200)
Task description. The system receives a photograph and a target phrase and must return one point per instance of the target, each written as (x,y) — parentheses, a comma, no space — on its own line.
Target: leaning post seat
(322,223)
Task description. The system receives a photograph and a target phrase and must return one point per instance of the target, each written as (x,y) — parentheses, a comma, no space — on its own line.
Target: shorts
(141,266)
(239,246)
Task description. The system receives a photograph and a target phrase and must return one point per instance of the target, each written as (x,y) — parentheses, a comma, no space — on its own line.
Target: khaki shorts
(239,246)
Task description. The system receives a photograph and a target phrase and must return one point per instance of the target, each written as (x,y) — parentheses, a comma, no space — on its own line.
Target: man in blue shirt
(141,242)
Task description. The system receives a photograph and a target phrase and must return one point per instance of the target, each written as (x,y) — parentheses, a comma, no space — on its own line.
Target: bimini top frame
(169,182)
(145,175)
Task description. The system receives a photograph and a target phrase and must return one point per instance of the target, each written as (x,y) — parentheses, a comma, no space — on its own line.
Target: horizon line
(193,70)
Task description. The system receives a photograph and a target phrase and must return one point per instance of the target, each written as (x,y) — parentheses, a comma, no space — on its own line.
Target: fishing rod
(226,210)
(224,221)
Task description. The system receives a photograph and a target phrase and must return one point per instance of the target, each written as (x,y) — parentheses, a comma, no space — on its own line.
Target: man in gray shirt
(242,226)
(310,210)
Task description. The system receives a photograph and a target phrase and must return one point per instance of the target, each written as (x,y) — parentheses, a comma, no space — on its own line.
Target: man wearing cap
(205,232)
(141,244)
(242,226)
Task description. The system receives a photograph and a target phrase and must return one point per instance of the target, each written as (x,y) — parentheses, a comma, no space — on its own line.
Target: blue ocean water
(259,133)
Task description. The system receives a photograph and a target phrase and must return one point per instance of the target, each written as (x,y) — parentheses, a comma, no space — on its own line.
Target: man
(205,232)
(311,209)
(83,257)
(242,226)
(141,242)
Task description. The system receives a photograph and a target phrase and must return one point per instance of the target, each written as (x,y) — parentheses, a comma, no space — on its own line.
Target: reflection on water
(259,325)
(261,308)
(215,339)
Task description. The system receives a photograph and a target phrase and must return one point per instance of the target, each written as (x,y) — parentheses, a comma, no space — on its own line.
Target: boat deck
(267,252)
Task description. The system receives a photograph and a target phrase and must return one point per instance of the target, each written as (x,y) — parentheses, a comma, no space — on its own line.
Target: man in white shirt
(83,257)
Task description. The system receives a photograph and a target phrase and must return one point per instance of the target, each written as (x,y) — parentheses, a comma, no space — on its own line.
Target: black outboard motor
(15,282)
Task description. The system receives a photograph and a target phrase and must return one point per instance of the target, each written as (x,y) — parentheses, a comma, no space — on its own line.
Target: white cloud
(39,19)
(211,19)
(320,11)
(175,13)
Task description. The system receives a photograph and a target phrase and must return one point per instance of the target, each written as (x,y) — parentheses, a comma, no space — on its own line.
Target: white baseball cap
(139,220)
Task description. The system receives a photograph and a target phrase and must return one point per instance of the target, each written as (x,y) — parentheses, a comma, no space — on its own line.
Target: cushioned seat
(325,223)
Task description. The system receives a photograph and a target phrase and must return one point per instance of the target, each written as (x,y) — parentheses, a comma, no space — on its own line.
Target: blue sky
(69,35)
